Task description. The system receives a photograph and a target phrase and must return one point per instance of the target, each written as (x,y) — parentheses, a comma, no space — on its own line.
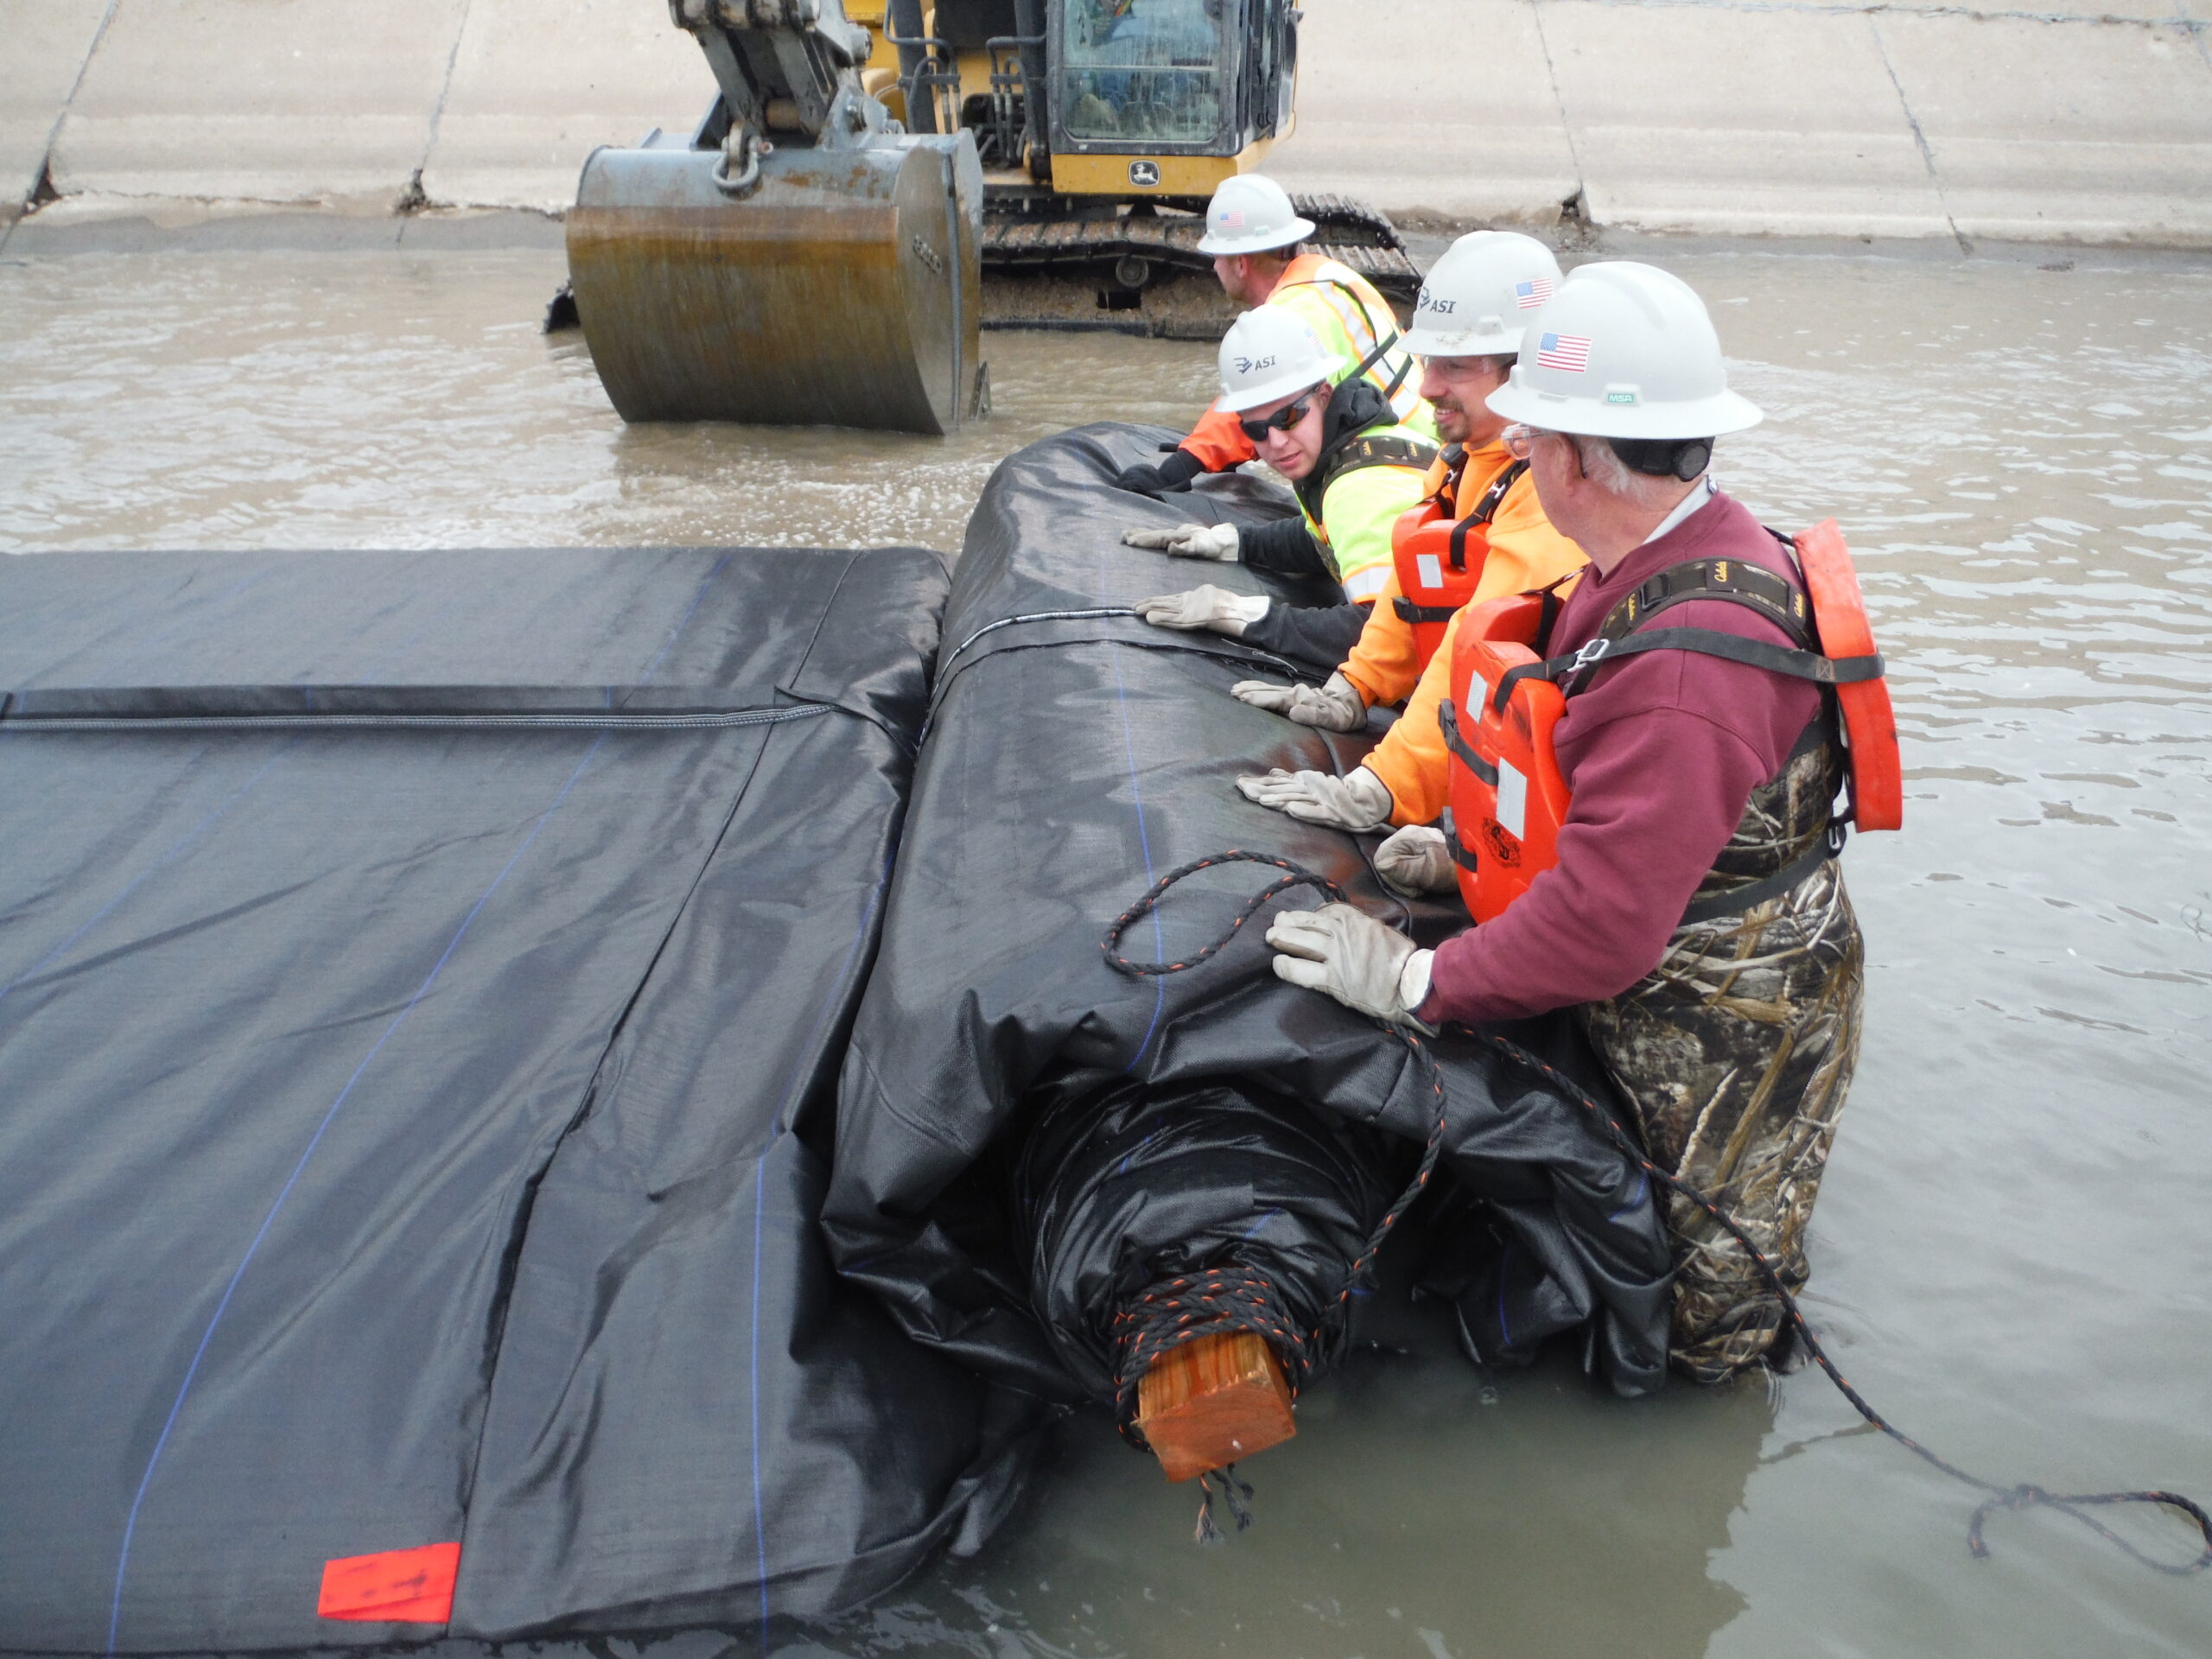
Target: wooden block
(1212,1400)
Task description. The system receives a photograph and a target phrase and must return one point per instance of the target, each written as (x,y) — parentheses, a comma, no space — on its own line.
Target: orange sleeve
(1525,551)
(1381,663)
(1410,759)
(1218,442)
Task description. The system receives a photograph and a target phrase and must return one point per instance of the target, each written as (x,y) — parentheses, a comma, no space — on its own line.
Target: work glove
(1204,607)
(1173,472)
(1414,860)
(1188,542)
(1358,801)
(1336,707)
(1353,957)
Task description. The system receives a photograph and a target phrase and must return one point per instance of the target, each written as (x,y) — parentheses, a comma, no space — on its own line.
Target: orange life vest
(1439,560)
(1508,798)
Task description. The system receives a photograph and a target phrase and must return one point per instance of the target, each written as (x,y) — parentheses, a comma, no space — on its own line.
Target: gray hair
(1605,469)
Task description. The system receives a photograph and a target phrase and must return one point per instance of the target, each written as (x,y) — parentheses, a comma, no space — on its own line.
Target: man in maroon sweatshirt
(1733,1030)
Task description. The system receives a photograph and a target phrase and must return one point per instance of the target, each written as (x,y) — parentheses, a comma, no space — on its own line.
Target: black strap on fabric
(1448,722)
(1409,612)
(1548,603)
(1462,854)
(1736,901)
(1376,449)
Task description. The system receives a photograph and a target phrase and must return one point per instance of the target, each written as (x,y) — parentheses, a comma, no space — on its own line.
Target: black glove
(1174,472)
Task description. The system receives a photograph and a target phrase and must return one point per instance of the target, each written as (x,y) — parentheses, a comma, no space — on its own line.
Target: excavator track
(1139,271)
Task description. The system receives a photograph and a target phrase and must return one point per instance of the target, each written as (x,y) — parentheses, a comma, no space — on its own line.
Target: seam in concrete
(53,134)
(1919,138)
(1566,127)
(416,199)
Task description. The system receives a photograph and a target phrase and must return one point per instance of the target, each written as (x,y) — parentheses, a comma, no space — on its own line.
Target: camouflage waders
(1736,1052)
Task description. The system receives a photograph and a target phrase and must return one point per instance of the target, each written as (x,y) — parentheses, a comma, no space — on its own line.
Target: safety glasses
(1520,439)
(1282,421)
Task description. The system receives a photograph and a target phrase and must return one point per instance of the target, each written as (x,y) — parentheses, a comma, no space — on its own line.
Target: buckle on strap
(1593,651)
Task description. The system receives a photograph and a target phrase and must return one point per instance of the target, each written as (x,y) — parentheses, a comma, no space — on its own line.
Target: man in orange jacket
(1252,234)
(1467,328)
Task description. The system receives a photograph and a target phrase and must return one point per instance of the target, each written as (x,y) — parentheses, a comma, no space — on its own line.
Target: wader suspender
(1757,589)
(1485,510)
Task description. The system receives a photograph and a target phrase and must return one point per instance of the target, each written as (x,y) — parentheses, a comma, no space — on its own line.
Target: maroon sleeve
(1638,838)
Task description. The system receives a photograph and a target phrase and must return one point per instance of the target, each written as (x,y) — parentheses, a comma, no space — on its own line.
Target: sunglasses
(1282,421)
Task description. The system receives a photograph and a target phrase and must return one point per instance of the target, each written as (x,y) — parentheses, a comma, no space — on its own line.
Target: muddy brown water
(2013,1251)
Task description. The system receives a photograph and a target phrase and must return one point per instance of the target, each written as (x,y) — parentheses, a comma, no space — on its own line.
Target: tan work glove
(1348,953)
(1188,542)
(1358,801)
(1335,707)
(1416,860)
(1204,607)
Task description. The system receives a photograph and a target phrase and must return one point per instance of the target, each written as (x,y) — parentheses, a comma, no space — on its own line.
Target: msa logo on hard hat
(1144,174)
(1253,366)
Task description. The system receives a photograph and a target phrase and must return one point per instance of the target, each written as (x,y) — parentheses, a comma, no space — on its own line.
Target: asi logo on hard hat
(1471,302)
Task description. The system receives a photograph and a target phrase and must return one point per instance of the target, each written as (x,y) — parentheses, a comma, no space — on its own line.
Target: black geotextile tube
(413,1134)
(1076,755)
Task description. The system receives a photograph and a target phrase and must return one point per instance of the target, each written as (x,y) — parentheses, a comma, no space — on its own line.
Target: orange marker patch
(394,1587)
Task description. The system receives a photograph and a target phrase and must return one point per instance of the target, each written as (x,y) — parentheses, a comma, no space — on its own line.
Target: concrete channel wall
(2087,120)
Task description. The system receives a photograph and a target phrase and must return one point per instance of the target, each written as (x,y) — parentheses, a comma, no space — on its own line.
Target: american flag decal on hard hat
(1568,351)
(1529,294)
(1232,219)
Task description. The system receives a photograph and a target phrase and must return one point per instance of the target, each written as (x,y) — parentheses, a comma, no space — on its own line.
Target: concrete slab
(1447,108)
(2063,131)
(311,101)
(1701,120)
(528,103)
(2159,11)
(48,42)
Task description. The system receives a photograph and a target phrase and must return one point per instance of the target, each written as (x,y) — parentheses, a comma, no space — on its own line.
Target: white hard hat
(1251,215)
(1268,353)
(1479,294)
(1624,351)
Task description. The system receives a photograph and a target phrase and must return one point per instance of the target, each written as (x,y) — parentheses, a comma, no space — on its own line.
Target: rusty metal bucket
(842,286)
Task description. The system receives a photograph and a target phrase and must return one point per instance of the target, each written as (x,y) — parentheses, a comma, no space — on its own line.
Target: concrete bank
(2086,121)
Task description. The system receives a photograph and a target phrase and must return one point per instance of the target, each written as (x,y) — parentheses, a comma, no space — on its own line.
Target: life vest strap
(1409,612)
(1709,642)
(1485,510)
(1447,723)
(1738,582)
(1736,901)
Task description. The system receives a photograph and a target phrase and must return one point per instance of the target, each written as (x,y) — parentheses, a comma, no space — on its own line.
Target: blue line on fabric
(1504,1336)
(131,1525)
(1253,1230)
(1144,843)
(1643,1191)
(760,1509)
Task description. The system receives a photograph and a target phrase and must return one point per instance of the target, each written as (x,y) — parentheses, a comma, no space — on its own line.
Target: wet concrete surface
(2009,1256)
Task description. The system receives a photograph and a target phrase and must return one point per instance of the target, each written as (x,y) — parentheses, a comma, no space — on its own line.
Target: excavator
(816,251)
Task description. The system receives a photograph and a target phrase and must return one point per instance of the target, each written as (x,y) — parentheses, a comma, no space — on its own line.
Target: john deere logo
(1144,175)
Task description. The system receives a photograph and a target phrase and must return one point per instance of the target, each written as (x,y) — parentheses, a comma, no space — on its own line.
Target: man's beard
(1450,423)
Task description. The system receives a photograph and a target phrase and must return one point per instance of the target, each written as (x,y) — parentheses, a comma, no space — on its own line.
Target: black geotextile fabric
(411,1132)
(1074,755)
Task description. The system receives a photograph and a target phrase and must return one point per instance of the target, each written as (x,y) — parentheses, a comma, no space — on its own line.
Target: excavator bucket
(823,286)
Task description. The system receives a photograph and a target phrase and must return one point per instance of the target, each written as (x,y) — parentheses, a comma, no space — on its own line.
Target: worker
(1662,858)
(1353,468)
(1252,235)
(1479,532)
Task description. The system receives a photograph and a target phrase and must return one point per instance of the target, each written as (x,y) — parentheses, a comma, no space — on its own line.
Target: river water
(2013,1255)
